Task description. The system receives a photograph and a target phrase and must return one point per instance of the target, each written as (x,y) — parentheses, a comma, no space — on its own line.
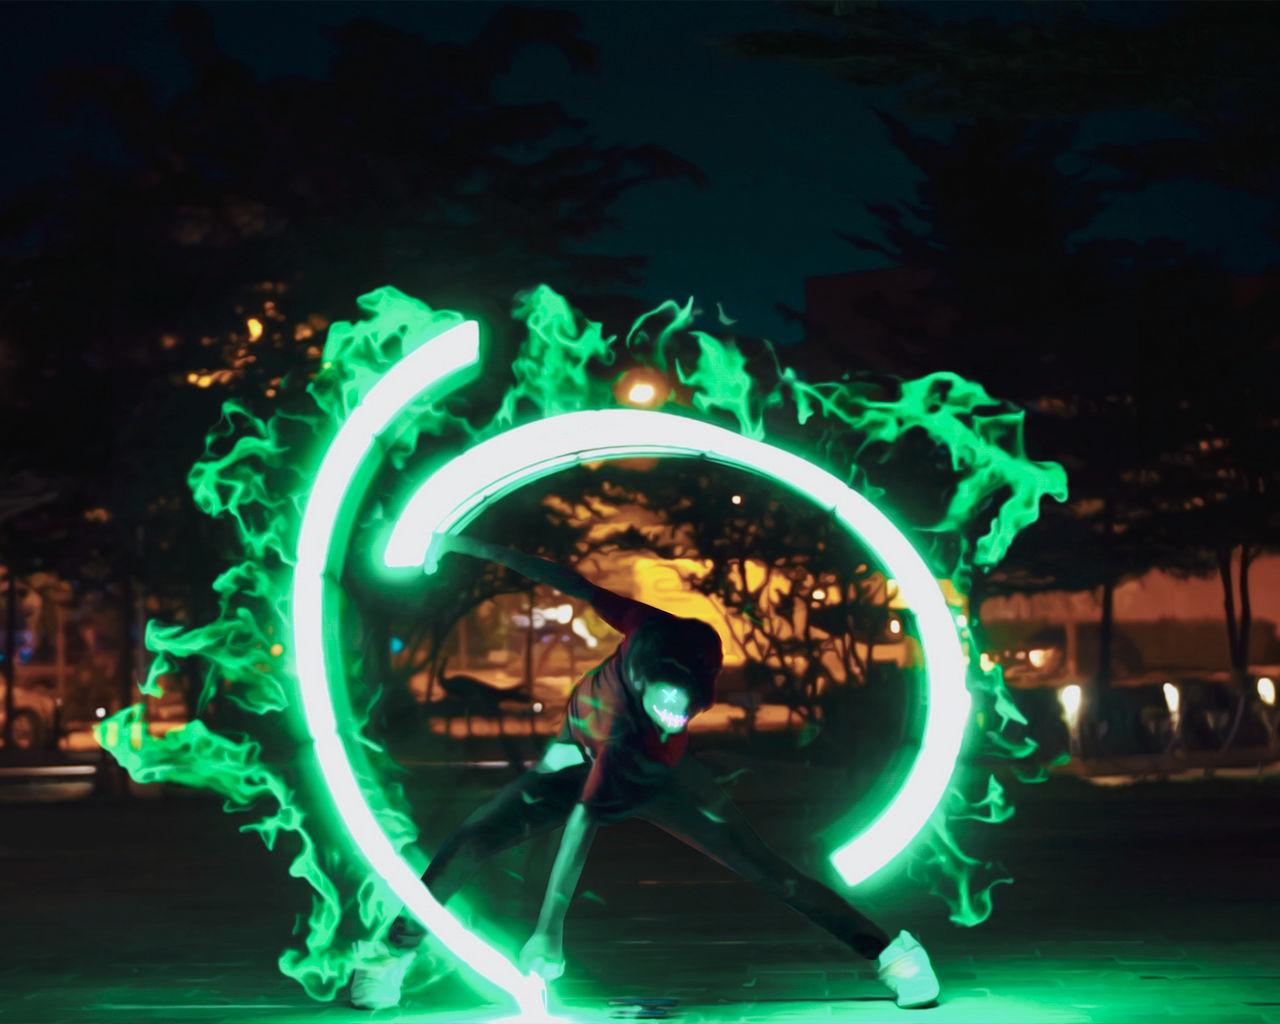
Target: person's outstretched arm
(622,613)
(543,954)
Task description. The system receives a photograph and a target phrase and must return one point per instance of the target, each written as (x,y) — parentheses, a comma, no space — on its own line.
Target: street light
(1071,697)
(642,387)
(642,393)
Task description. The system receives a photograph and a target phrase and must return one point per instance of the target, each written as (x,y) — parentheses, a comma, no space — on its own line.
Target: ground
(1153,902)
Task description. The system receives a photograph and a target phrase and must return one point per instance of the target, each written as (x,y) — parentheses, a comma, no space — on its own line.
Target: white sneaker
(377,983)
(904,967)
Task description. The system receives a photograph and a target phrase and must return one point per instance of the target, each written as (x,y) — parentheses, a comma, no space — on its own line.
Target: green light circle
(459,490)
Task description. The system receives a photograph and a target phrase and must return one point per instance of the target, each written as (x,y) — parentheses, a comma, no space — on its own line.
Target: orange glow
(255,329)
(642,386)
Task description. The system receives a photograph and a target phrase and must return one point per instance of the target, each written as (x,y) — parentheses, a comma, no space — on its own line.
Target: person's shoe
(377,984)
(904,967)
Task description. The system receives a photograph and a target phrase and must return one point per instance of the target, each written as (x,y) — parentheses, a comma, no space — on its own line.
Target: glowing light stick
(319,551)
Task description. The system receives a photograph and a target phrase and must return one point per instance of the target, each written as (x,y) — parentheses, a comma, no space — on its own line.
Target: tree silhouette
(1209,67)
(199,253)
(1107,344)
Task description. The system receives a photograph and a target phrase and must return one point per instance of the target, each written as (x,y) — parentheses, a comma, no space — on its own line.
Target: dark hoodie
(604,717)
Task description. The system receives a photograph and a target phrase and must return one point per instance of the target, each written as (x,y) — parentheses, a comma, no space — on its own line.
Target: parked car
(35,716)
(1042,657)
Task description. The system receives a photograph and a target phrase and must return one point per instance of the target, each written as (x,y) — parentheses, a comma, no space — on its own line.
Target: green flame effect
(256,472)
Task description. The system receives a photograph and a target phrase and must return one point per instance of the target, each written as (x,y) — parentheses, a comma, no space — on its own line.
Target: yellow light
(986,662)
(819,594)
(1038,657)
(1171,697)
(255,329)
(192,377)
(895,627)
(1070,697)
(277,650)
(736,499)
(962,620)
(1267,690)
(642,393)
(204,380)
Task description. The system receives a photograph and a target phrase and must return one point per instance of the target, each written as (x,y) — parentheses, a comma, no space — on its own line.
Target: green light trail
(261,474)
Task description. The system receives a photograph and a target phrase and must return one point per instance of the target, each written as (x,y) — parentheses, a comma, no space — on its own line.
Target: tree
(1208,66)
(1232,461)
(202,256)
(1106,343)
(800,597)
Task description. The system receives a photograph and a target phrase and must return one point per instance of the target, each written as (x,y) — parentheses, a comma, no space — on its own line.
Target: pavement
(1150,902)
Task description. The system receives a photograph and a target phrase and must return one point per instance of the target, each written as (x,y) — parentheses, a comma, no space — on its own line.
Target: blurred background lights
(580,628)
(1267,690)
(641,394)
(1171,697)
(1038,657)
(642,387)
(736,499)
(1070,698)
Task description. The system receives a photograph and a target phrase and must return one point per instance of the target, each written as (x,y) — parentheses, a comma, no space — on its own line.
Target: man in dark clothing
(621,753)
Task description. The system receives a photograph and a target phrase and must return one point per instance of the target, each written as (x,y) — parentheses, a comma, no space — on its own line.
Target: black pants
(692,806)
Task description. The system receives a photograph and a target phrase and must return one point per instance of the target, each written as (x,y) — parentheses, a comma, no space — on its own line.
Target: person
(622,752)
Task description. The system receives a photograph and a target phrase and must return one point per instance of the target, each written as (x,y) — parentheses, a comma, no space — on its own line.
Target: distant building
(1164,625)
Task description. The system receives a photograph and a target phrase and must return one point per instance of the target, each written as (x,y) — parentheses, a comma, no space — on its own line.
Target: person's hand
(543,955)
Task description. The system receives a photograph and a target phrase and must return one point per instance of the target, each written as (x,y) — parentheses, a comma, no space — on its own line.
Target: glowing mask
(668,704)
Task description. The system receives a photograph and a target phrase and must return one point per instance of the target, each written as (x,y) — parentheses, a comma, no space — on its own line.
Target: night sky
(791,154)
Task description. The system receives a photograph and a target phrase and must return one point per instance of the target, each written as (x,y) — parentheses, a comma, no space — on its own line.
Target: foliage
(1109,346)
(200,250)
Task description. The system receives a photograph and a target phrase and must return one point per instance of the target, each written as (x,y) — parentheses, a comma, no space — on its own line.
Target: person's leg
(695,808)
(537,802)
